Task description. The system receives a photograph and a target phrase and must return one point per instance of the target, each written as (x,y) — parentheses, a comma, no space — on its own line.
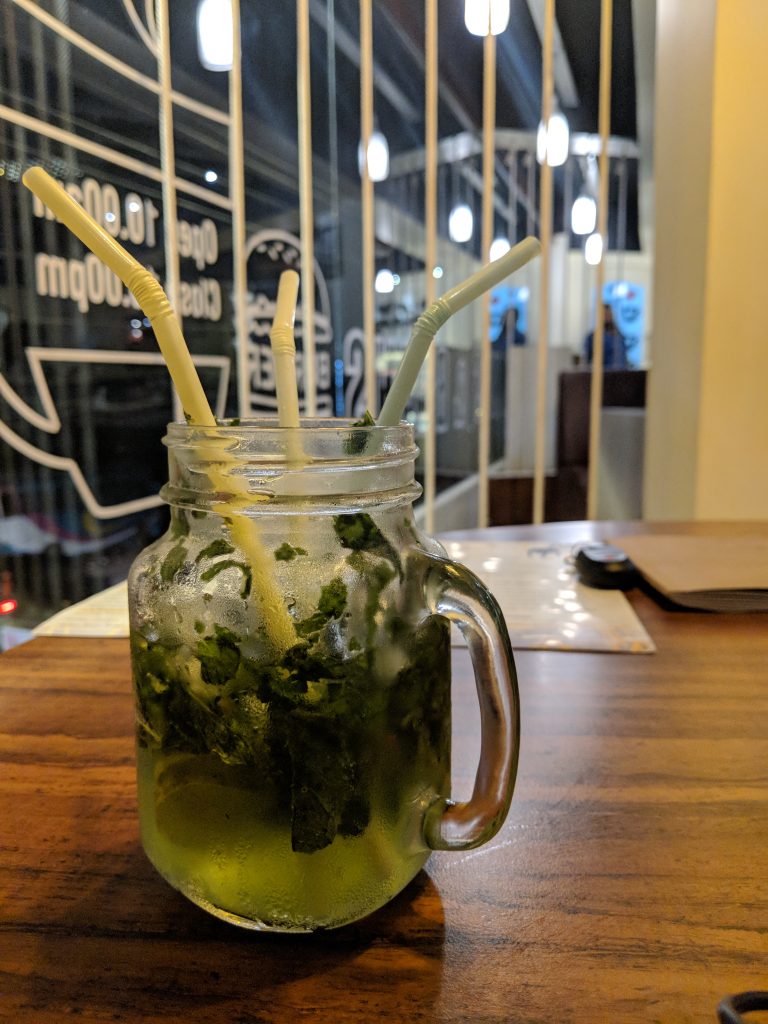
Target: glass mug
(291,659)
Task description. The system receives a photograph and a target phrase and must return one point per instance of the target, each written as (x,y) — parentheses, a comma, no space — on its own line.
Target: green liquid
(290,794)
(217,833)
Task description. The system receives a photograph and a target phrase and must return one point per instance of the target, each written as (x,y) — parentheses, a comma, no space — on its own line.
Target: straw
(432,319)
(149,295)
(284,349)
(283,343)
(154,302)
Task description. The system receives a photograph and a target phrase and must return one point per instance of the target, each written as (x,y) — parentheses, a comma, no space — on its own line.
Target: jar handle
(454,591)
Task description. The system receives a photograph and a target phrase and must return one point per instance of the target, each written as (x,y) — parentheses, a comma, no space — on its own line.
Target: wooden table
(630,882)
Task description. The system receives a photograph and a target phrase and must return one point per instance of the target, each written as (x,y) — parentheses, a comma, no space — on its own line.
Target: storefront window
(84,395)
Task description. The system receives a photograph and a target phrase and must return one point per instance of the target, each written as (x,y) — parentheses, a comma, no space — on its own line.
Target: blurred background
(671,283)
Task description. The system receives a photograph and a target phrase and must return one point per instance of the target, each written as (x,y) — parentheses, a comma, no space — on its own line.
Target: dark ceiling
(269,85)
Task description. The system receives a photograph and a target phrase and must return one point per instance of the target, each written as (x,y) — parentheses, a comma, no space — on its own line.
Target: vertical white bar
(237,196)
(489,177)
(545,226)
(565,298)
(430,255)
(596,391)
(306,207)
(168,157)
(369,256)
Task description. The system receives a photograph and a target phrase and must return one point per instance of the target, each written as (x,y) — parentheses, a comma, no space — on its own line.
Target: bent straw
(284,349)
(154,303)
(432,319)
(149,295)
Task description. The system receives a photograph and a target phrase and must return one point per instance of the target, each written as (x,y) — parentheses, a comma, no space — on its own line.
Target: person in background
(614,344)
(509,331)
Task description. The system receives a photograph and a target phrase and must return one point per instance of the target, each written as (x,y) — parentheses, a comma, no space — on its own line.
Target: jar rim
(339,461)
(269,428)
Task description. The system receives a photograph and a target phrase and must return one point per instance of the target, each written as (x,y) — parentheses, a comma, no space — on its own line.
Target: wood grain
(630,882)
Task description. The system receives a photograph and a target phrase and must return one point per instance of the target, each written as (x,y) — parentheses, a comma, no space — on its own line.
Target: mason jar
(290,640)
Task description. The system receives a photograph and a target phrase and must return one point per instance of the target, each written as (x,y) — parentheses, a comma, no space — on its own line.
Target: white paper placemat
(103,614)
(544,604)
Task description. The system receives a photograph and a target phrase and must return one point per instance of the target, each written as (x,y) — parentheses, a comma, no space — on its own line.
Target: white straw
(432,319)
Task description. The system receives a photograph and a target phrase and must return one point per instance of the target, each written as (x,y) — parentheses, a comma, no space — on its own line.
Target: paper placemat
(544,604)
(103,614)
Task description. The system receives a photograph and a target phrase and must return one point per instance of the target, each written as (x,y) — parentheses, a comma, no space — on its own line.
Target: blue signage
(627,302)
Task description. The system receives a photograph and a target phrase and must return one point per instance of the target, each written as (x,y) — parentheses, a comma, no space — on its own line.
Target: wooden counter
(630,882)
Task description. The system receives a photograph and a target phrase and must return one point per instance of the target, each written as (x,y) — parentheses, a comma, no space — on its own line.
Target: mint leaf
(331,605)
(172,562)
(179,524)
(219,656)
(358,532)
(356,441)
(286,553)
(229,563)
(215,548)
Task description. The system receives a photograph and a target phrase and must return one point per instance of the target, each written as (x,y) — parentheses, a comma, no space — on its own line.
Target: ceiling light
(461,223)
(437,273)
(214,34)
(499,246)
(593,249)
(541,143)
(558,139)
(385,282)
(378,157)
(583,215)
(211,176)
(554,143)
(480,15)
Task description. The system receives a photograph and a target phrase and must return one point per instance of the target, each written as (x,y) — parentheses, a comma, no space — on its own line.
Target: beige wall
(732,478)
(707,431)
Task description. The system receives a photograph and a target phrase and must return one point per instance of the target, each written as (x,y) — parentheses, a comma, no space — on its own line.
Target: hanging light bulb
(461,223)
(583,215)
(214,34)
(385,282)
(480,15)
(553,143)
(499,246)
(558,139)
(593,249)
(541,143)
(378,157)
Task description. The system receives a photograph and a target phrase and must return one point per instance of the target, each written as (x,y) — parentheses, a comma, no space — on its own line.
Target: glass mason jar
(291,659)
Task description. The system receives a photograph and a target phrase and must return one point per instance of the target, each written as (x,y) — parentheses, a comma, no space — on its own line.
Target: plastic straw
(149,295)
(284,349)
(432,319)
(154,302)
(283,343)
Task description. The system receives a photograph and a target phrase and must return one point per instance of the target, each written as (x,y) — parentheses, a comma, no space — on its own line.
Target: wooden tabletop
(630,882)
